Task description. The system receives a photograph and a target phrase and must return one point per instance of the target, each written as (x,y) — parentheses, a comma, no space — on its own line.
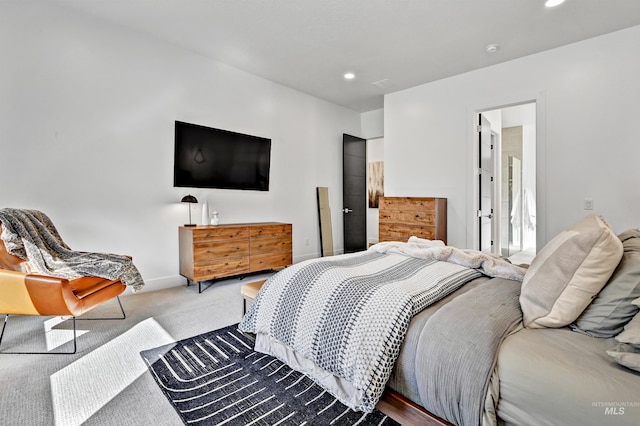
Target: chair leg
(75,342)
(124,315)
(6,318)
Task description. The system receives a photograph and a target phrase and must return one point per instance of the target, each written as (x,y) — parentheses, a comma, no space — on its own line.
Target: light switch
(588,203)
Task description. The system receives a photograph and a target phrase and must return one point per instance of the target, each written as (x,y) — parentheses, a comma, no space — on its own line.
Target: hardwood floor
(406,412)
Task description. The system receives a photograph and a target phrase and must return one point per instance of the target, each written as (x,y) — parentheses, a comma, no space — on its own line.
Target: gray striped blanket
(342,320)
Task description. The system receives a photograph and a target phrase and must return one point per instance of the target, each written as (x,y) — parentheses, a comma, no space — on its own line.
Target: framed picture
(375,183)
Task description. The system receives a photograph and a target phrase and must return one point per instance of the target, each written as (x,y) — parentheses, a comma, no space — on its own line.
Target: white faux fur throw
(488,264)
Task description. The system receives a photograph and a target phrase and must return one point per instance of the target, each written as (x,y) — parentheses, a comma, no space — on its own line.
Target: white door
(485,185)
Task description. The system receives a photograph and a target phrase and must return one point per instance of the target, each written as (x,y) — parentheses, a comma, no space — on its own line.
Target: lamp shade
(189,199)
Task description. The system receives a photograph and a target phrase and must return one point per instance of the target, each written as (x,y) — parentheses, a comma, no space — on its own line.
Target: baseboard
(298,259)
(161,283)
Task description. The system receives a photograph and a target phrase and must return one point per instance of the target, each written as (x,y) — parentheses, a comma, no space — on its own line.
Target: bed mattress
(545,376)
(559,377)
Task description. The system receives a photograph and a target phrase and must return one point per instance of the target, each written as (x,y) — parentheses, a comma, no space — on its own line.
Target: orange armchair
(23,293)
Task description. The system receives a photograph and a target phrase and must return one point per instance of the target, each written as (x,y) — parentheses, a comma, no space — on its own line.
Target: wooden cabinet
(211,252)
(402,217)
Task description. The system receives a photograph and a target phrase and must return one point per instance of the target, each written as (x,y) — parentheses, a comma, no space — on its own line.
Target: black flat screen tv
(213,158)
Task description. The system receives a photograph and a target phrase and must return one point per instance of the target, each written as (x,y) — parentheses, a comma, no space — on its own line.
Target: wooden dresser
(211,252)
(402,217)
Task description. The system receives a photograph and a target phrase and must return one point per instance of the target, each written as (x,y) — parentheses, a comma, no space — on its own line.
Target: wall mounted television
(214,158)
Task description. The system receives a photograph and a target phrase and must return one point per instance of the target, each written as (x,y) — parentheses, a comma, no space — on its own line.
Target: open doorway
(513,190)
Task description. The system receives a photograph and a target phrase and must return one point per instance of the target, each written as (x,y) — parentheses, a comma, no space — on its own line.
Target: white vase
(214,218)
(205,213)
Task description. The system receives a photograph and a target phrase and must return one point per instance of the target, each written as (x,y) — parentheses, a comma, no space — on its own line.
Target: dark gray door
(354,193)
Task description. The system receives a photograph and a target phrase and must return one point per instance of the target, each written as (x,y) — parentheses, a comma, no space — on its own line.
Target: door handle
(346,210)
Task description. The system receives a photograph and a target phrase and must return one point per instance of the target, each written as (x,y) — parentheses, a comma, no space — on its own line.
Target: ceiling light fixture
(492,48)
(553,3)
(349,76)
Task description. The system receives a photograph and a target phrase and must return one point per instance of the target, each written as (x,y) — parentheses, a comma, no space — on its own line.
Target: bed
(485,342)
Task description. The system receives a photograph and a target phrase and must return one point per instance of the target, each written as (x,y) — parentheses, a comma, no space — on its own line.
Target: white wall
(587,109)
(372,123)
(87,112)
(375,152)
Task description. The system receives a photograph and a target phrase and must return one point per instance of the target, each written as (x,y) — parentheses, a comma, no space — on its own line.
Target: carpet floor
(106,382)
(218,379)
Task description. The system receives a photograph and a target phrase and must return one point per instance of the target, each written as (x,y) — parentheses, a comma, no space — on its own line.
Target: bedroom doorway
(354,193)
(511,188)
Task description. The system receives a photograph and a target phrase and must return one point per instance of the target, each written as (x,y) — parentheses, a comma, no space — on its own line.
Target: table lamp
(190,199)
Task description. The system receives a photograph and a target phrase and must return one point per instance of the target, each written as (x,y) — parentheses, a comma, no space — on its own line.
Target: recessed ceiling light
(349,76)
(553,3)
(492,48)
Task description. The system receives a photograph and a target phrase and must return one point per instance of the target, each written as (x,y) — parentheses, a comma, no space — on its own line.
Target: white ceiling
(309,44)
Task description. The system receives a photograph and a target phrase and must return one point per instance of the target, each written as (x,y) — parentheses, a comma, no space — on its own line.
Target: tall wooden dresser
(211,252)
(402,217)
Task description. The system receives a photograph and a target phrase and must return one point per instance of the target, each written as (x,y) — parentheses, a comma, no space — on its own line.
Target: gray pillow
(631,332)
(607,315)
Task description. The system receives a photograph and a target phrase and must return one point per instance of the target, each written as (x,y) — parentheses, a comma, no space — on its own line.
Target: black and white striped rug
(218,379)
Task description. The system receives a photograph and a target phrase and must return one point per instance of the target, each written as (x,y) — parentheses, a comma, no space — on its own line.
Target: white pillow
(568,273)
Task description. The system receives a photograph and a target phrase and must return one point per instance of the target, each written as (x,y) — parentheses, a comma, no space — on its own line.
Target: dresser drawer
(424,218)
(221,268)
(262,262)
(395,232)
(205,252)
(270,245)
(408,203)
(220,233)
(270,230)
